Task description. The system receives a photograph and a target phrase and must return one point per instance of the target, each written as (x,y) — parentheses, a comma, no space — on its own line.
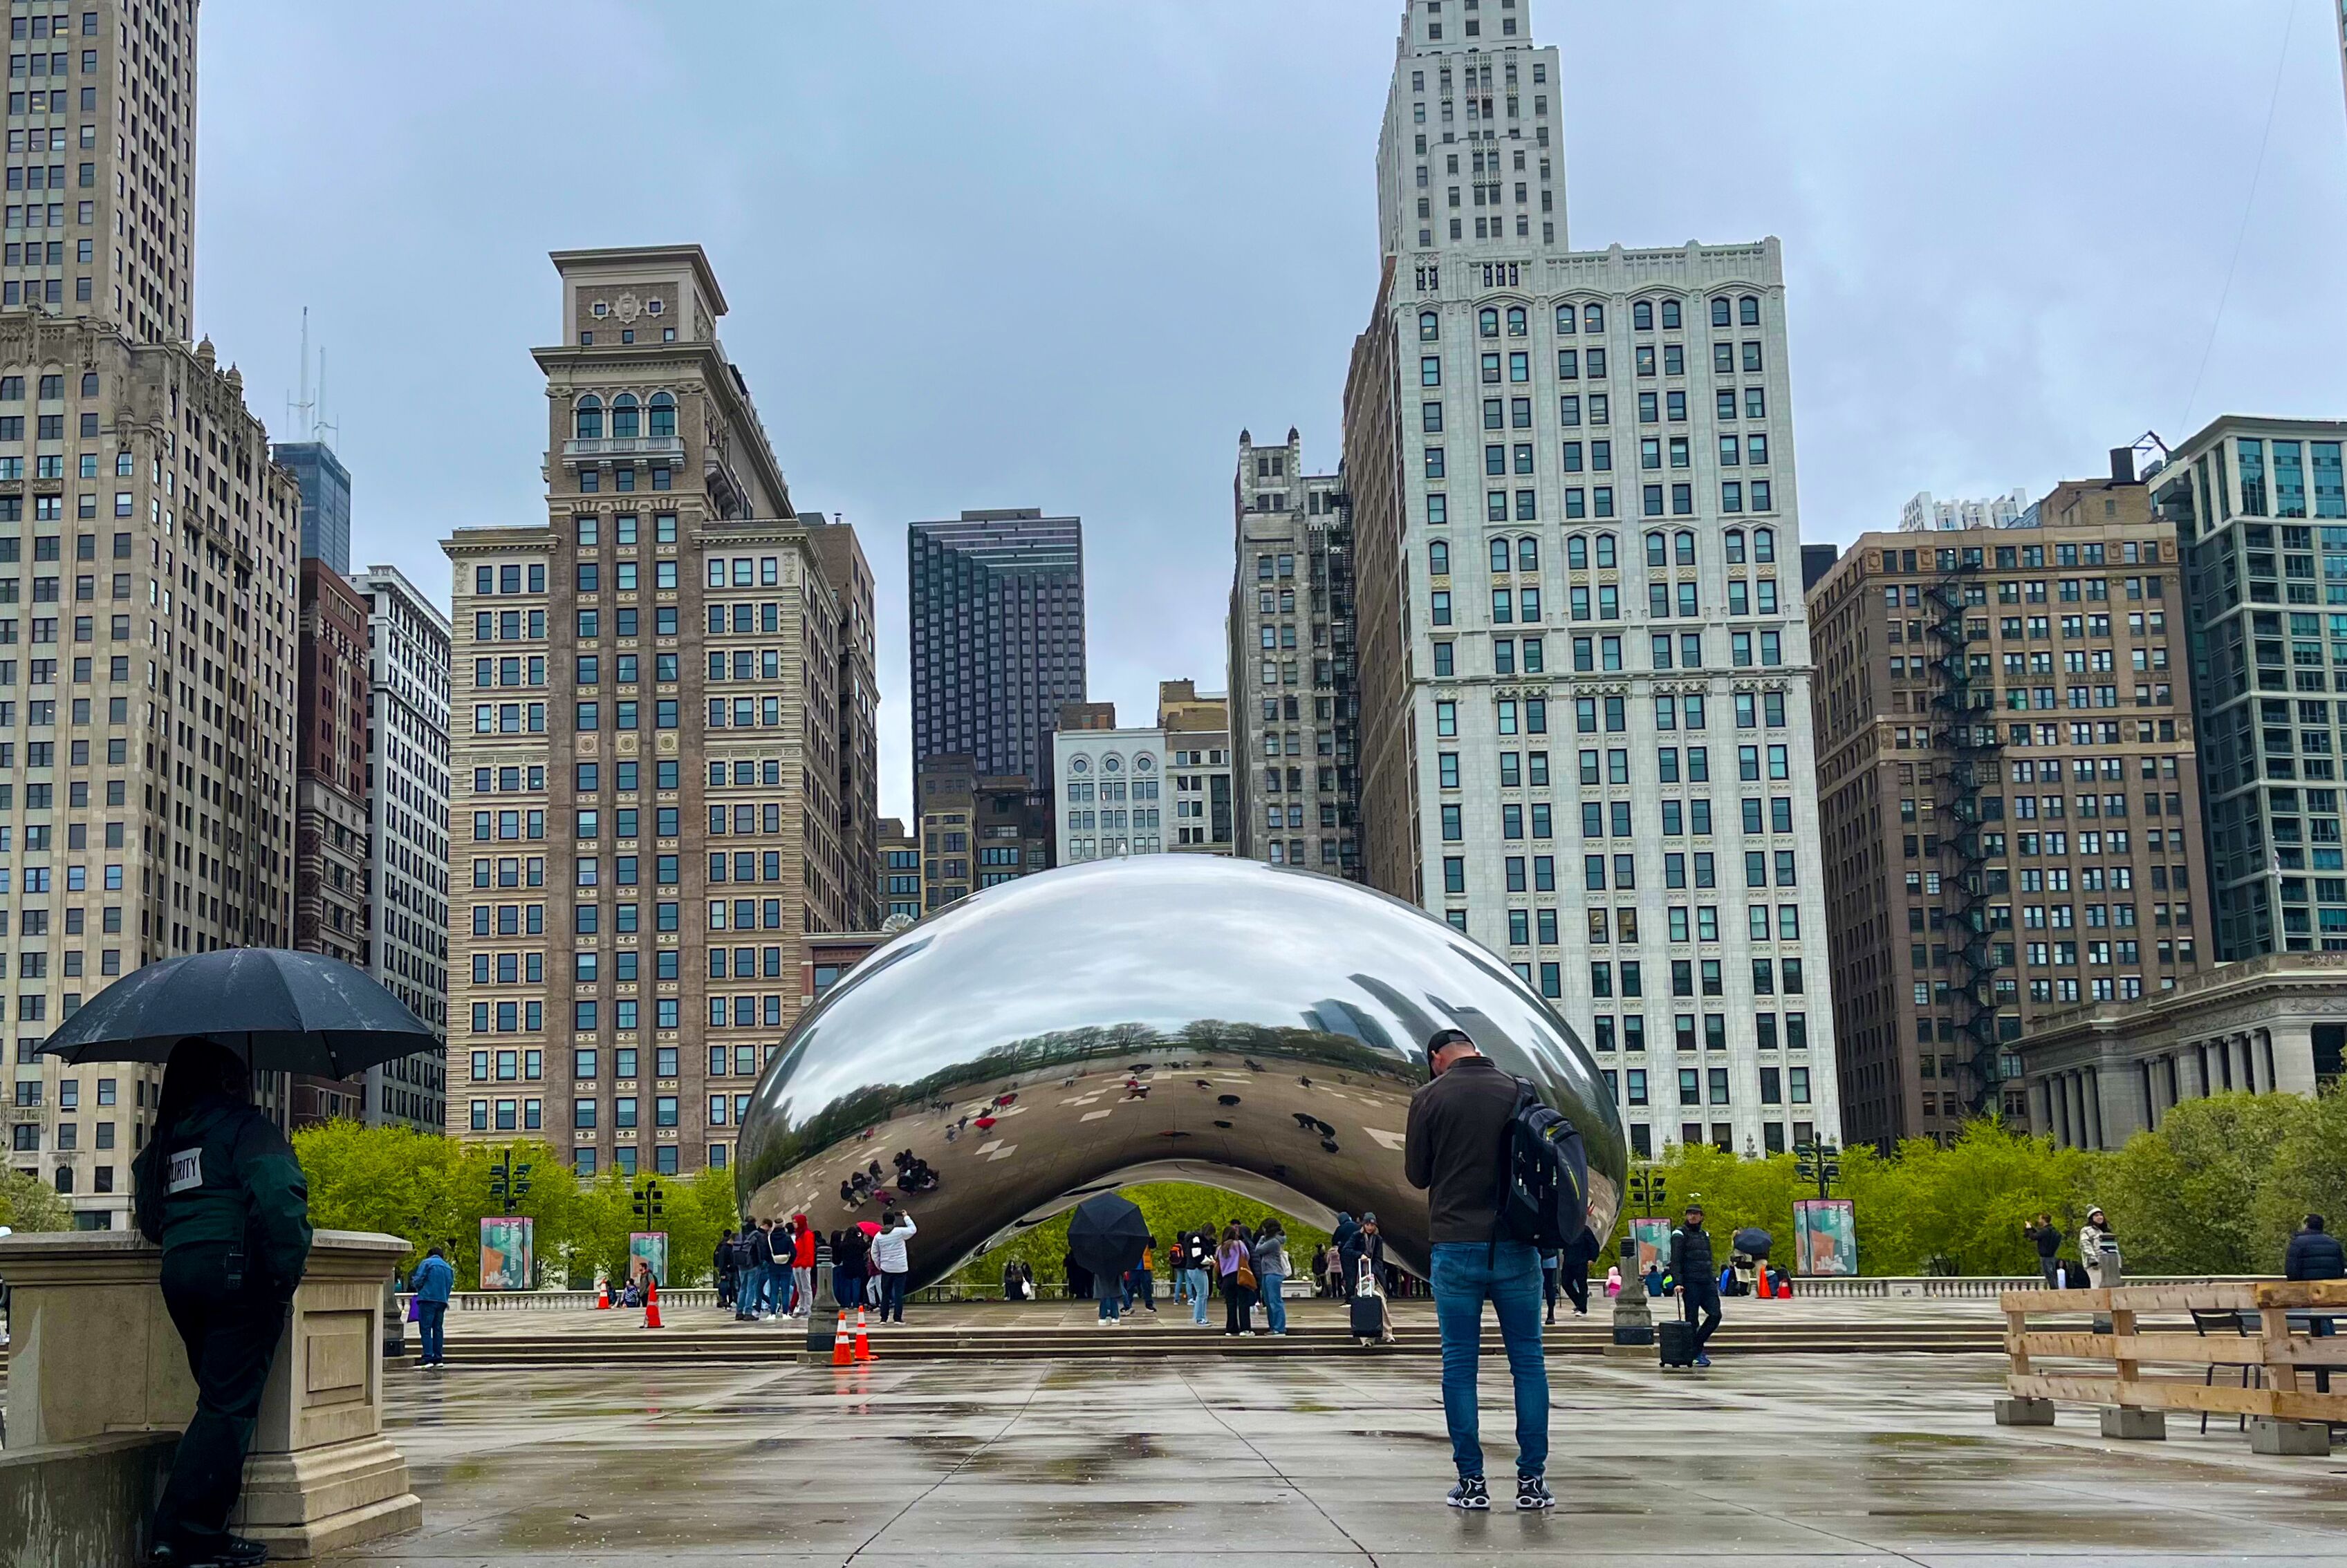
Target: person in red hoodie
(802,1265)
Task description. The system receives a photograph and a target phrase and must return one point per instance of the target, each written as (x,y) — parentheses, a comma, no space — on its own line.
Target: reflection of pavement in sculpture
(1164,1018)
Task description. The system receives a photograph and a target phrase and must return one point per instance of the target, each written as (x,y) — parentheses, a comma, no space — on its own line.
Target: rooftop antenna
(322,428)
(306,414)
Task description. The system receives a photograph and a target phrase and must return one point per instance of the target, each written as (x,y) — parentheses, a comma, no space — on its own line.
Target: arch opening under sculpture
(1168,1017)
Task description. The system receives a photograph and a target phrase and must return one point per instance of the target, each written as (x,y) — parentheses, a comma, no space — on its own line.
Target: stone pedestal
(2024,1412)
(2129,1422)
(2306,1438)
(95,1355)
(1633,1325)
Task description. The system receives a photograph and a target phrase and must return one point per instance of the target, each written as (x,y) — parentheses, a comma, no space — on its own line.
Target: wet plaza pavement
(1323,1459)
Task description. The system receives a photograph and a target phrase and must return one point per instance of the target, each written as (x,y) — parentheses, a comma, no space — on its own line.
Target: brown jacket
(1452,1147)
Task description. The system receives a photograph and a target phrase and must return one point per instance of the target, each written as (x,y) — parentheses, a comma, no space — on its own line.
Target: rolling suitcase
(1369,1305)
(1675,1342)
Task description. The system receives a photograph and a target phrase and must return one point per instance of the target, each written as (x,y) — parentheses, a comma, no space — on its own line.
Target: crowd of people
(765,1272)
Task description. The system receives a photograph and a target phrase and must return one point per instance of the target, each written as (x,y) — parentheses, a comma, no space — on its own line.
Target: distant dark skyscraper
(325,501)
(998,611)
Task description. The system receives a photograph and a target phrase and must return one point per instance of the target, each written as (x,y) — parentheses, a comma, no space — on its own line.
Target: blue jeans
(431,1324)
(1275,1304)
(1111,1304)
(1508,1274)
(1195,1281)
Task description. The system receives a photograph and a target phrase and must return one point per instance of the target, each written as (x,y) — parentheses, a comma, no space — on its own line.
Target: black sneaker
(240,1553)
(1470,1492)
(1531,1492)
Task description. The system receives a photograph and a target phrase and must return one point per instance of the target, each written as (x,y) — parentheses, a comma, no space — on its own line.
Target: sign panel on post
(506,1253)
(1826,1233)
(648,1253)
(1654,1239)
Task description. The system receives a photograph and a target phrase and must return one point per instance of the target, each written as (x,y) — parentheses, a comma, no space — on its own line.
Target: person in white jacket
(2098,1248)
(891,1263)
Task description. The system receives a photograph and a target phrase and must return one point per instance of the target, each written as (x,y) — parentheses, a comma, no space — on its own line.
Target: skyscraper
(333,904)
(325,500)
(2261,509)
(998,637)
(1584,666)
(1296,705)
(148,731)
(648,759)
(103,227)
(407,833)
(2007,799)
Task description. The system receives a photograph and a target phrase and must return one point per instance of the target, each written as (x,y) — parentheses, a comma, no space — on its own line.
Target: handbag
(1246,1278)
(415,1310)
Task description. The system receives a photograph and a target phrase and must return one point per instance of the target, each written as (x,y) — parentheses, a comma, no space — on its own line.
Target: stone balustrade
(96,1359)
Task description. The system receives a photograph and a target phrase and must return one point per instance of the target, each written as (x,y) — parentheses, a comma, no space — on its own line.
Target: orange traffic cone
(840,1354)
(651,1303)
(862,1344)
(603,1302)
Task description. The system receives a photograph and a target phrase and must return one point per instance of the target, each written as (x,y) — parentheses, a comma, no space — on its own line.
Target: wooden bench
(2285,1413)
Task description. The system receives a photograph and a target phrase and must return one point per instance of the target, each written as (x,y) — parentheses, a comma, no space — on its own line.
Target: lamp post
(1634,1321)
(1819,1162)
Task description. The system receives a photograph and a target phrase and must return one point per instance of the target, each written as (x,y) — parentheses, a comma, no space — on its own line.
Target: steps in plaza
(770,1344)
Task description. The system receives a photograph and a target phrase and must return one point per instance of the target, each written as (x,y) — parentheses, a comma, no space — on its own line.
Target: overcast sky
(1058,252)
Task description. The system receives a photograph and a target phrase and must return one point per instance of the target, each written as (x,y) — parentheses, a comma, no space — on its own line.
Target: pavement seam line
(1287,1480)
(1042,1377)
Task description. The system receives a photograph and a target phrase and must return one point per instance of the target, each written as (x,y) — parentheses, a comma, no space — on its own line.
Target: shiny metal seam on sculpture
(1251,1027)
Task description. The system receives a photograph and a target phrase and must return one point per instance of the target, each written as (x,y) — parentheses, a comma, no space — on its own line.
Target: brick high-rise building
(900,872)
(333,904)
(857,685)
(2011,816)
(978,830)
(647,756)
(1296,701)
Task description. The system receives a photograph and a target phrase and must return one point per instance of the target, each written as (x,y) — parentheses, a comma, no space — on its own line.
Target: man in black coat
(2047,1238)
(2315,1254)
(1698,1279)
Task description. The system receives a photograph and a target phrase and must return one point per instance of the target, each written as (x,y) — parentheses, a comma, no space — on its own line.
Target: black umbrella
(1106,1234)
(282,1011)
(1754,1242)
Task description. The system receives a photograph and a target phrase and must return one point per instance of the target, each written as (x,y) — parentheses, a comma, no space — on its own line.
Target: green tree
(2309,1173)
(427,1189)
(1966,1204)
(2206,1193)
(30,1203)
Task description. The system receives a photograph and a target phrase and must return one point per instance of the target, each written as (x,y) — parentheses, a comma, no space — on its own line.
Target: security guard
(219,1188)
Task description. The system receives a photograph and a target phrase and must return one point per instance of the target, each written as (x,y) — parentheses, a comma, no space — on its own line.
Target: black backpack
(1544,1193)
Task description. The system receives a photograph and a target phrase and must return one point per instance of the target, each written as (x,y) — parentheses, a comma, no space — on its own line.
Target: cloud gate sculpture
(1168,1017)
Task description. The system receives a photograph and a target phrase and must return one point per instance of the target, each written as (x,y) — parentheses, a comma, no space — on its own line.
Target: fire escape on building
(1965,750)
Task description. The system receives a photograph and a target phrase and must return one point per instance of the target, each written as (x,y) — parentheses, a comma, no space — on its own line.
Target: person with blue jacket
(433,1280)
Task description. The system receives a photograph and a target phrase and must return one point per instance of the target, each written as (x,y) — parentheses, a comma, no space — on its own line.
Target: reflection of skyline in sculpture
(1198,1018)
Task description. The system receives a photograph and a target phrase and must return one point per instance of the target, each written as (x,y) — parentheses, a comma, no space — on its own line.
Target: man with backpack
(1699,1287)
(1456,1148)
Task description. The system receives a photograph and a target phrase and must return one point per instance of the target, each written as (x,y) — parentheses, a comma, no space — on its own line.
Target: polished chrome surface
(1168,1017)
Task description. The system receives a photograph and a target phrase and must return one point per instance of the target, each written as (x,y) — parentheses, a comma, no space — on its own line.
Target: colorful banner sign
(1654,1239)
(1825,1234)
(648,1251)
(506,1253)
